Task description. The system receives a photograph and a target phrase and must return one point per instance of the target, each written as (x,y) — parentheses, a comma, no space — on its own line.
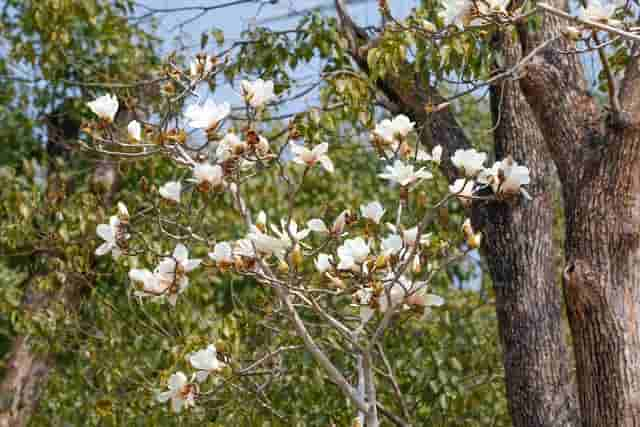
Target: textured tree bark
(600,157)
(518,244)
(522,261)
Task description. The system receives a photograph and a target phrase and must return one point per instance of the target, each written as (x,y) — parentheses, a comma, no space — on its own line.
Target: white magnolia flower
(506,177)
(172,272)
(171,190)
(201,66)
(391,130)
(317,225)
(455,12)
(435,156)
(469,161)
(206,173)
(222,253)
(293,231)
(404,174)
(206,362)
(391,245)
(373,211)
(134,129)
(463,189)
(110,233)
(181,392)
(266,244)
(304,156)
(337,228)
(597,10)
(244,248)
(352,252)
(207,116)
(230,145)
(487,7)
(257,93)
(105,107)
(323,262)
(409,237)
(152,286)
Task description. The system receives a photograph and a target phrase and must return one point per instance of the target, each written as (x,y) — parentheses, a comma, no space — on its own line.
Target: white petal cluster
(405,174)
(323,262)
(597,11)
(352,253)
(105,107)
(208,174)
(201,66)
(206,362)
(470,161)
(307,157)
(113,232)
(207,116)
(372,211)
(455,12)
(257,93)
(171,191)
(317,225)
(181,392)
(463,189)
(222,253)
(435,156)
(506,177)
(390,131)
(134,130)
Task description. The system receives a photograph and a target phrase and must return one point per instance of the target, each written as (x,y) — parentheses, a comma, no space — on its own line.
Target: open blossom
(435,156)
(268,244)
(222,253)
(110,233)
(171,190)
(208,174)
(207,116)
(323,262)
(181,392)
(293,231)
(390,130)
(201,66)
(392,245)
(304,156)
(134,130)
(205,361)
(257,93)
(486,7)
(404,174)
(597,10)
(244,248)
(470,161)
(411,235)
(105,107)
(231,145)
(172,272)
(337,228)
(506,177)
(352,252)
(373,211)
(152,286)
(463,189)
(455,12)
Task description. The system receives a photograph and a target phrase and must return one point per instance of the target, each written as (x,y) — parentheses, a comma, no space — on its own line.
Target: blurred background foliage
(111,352)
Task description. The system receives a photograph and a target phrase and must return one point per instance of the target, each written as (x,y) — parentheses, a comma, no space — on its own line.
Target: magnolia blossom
(373,211)
(463,189)
(404,174)
(304,156)
(206,362)
(244,248)
(222,253)
(206,173)
(391,130)
(597,10)
(257,93)
(411,235)
(506,177)
(152,285)
(285,235)
(455,12)
(110,234)
(323,262)
(172,272)
(201,66)
(134,130)
(181,392)
(473,239)
(230,145)
(392,245)
(435,156)
(105,107)
(337,228)
(268,244)
(207,116)
(171,191)
(352,252)
(470,161)
(486,7)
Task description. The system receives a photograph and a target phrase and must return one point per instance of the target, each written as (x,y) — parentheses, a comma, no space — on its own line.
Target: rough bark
(600,158)
(518,245)
(521,257)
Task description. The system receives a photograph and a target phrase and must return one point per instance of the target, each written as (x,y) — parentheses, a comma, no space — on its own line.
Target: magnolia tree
(351,273)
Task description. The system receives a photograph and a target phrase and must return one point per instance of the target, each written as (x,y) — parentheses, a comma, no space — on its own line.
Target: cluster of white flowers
(201,66)
(600,11)
(168,279)
(114,233)
(183,391)
(257,93)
